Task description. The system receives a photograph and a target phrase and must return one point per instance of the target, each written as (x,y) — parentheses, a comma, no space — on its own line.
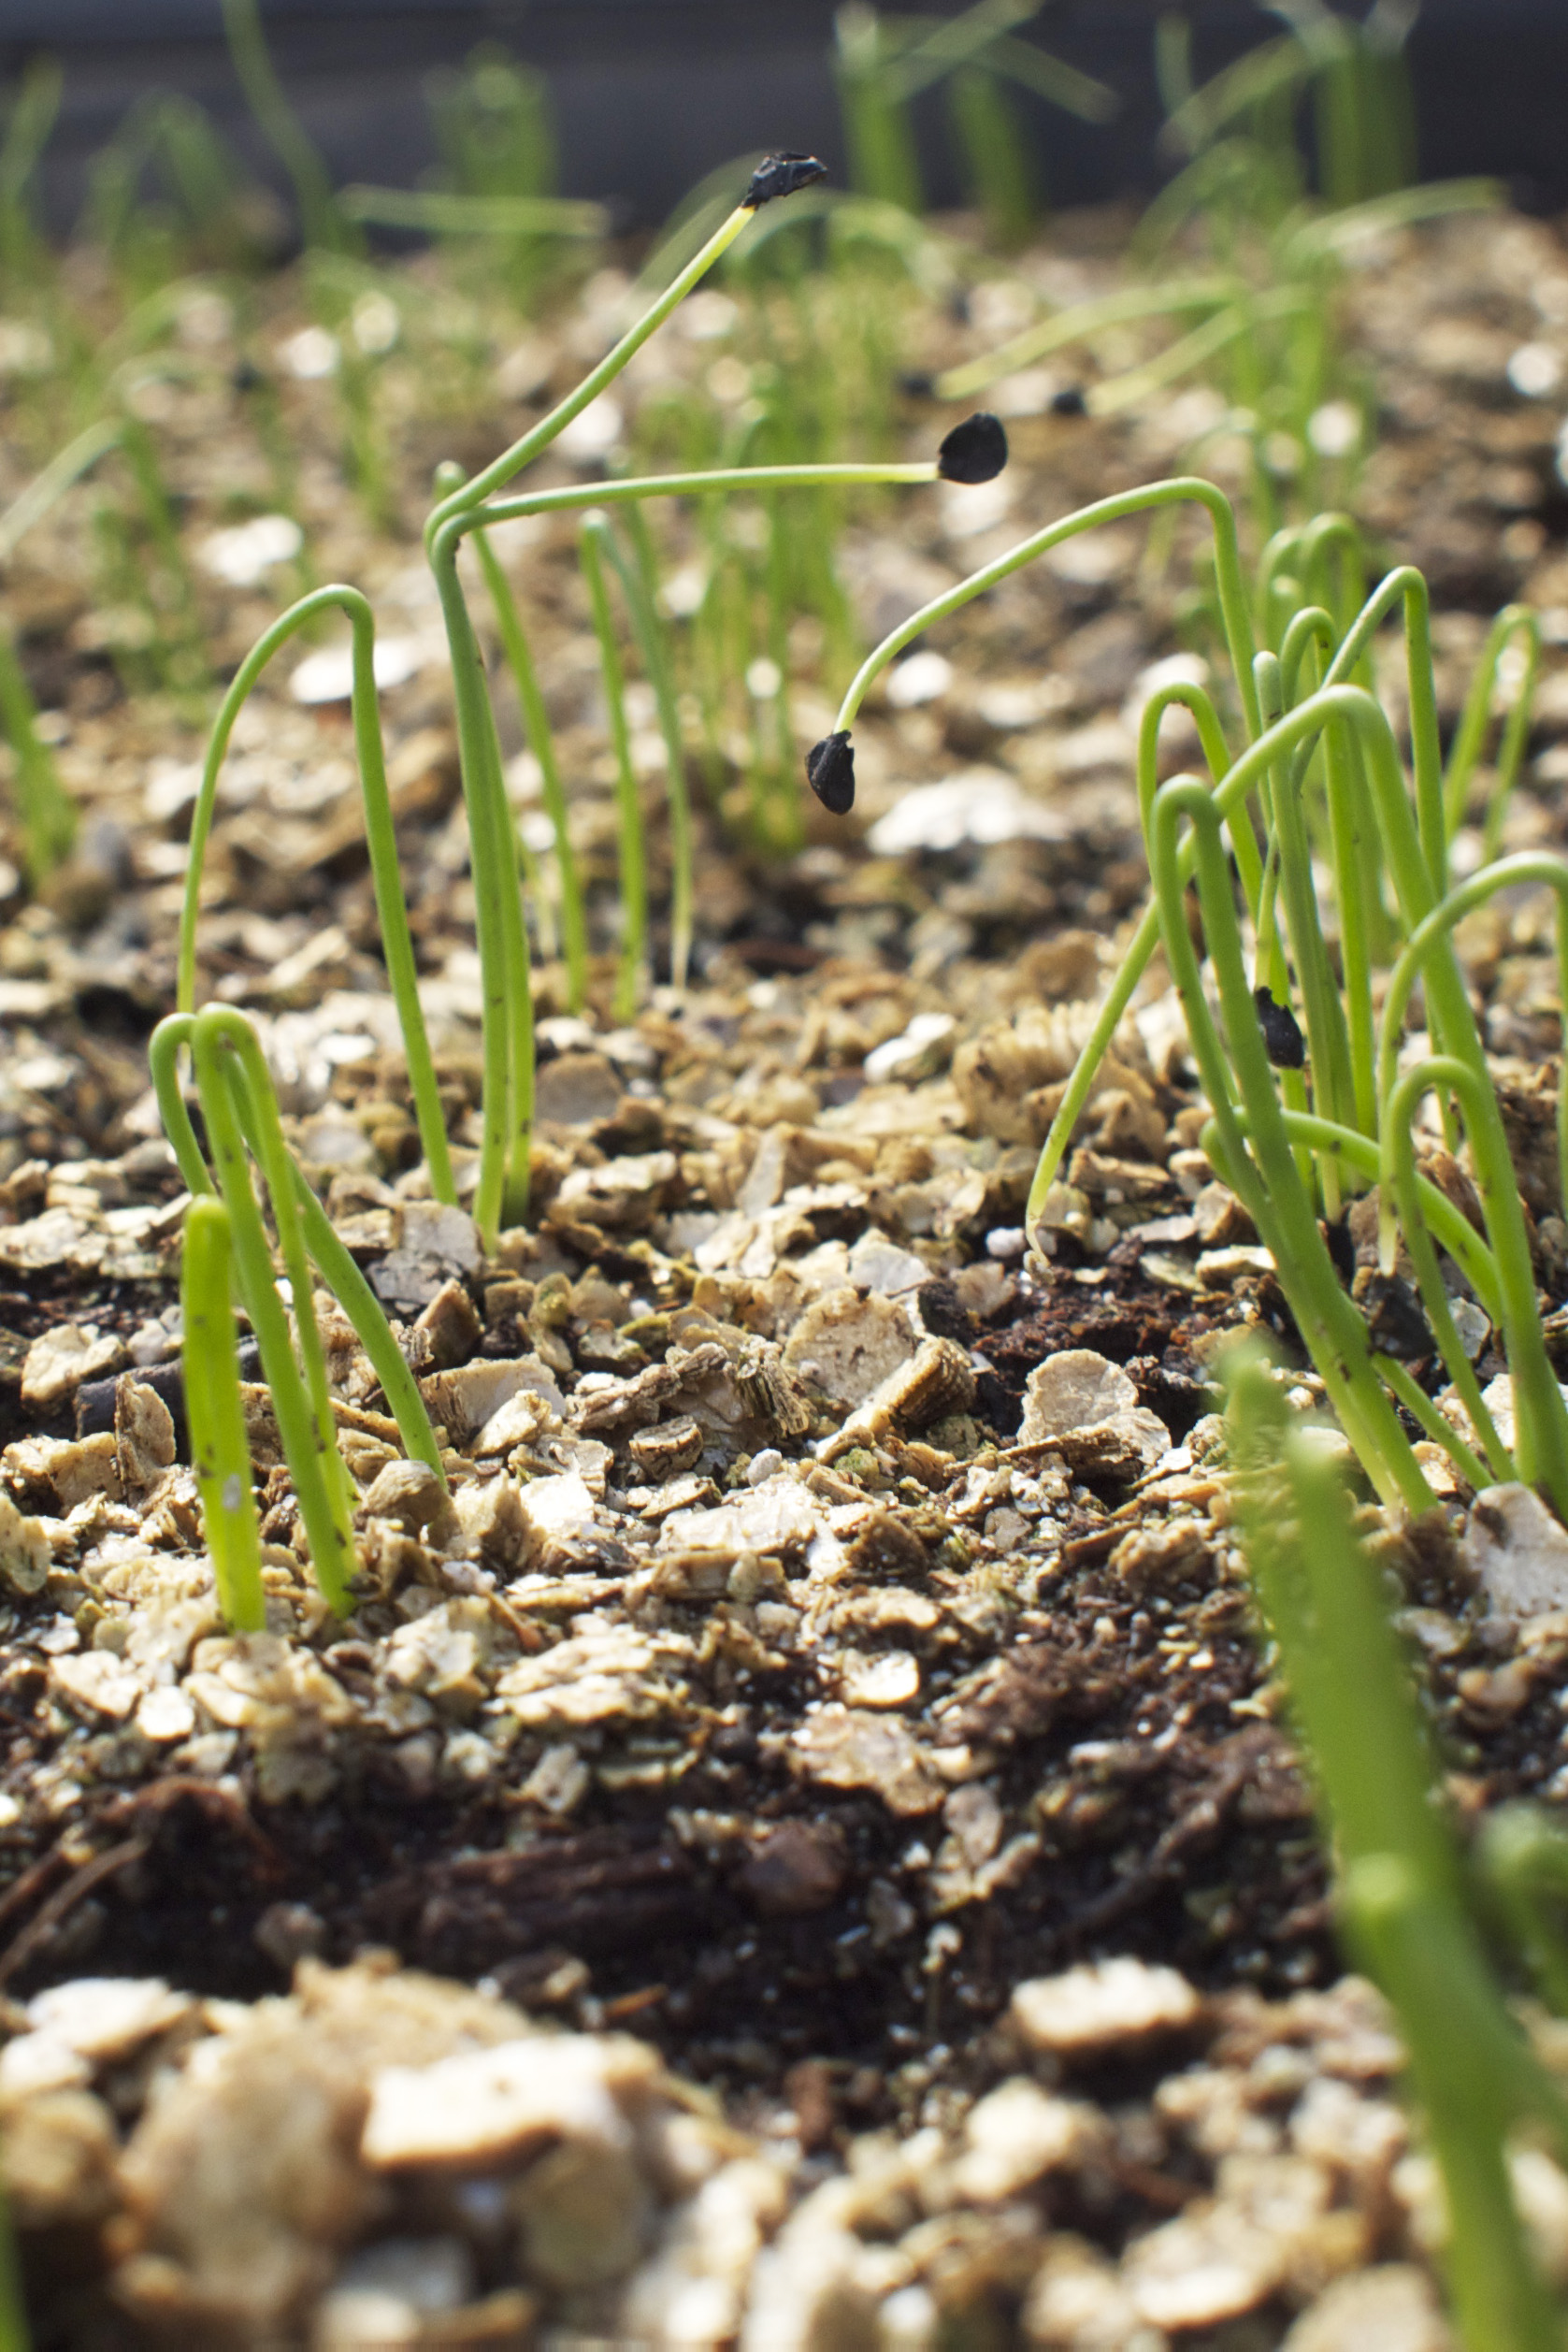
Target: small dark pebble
(917,384)
(1070,401)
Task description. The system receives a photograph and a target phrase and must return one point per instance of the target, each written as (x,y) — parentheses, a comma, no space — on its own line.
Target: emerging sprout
(830,772)
(1283,1041)
(974,451)
(780,175)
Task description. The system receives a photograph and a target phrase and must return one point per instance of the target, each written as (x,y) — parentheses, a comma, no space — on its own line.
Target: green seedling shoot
(215,1413)
(593,544)
(636,574)
(1294,1114)
(381,840)
(320,215)
(45,811)
(1514,634)
(1405,1909)
(542,742)
(502,1188)
(241,1111)
(32,118)
(883,63)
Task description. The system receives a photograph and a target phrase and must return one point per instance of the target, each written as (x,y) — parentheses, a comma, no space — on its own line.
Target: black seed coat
(781,176)
(830,772)
(974,451)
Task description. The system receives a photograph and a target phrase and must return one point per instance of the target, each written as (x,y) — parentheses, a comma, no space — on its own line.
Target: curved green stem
(68,464)
(231,1073)
(1529,866)
(534,442)
(359,1303)
(1449,1226)
(380,837)
(1191,350)
(506,1001)
(1312,625)
(1406,584)
(1266,1179)
(338,1269)
(1235,613)
(1247,774)
(1541,1418)
(1515,620)
(1318,542)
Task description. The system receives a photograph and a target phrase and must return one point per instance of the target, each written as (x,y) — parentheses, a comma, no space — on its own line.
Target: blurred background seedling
(1409,1910)
(882,64)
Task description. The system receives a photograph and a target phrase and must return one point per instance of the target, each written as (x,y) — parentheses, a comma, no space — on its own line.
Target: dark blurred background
(649,94)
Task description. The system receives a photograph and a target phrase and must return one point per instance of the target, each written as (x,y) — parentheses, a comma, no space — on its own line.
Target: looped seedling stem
(380,837)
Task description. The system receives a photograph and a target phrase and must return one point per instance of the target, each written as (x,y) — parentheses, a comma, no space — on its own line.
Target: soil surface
(834,1629)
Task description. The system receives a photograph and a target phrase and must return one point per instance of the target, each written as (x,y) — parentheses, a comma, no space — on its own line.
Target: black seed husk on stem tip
(780,175)
(1283,1041)
(974,451)
(830,772)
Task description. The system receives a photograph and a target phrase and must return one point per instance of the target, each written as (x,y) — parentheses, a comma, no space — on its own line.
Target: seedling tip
(830,772)
(974,451)
(780,175)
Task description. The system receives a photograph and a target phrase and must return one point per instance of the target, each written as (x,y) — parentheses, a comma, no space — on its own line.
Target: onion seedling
(507,1038)
(215,1413)
(1406,1912)
(593,542)
(882,63)
(46,814)
(32,117)
(380,837)
(542,742)
(241,1111)
(320,215)
(1294,1114)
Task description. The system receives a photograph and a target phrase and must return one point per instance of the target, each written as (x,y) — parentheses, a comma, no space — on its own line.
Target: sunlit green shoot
(337,1268)
(381,841)
(215,1415)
